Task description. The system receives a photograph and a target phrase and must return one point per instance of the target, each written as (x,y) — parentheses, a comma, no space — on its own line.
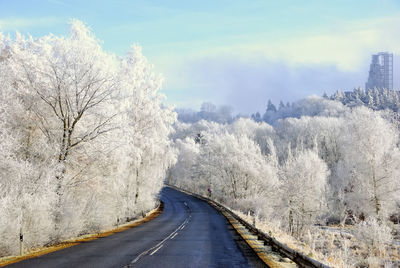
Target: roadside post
(21,242)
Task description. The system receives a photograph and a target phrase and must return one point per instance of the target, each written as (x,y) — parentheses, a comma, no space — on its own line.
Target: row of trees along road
(84,137)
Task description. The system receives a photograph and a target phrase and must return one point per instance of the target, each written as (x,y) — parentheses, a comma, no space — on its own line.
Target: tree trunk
(137,186)
(377,202)
(290,218)
(58,207)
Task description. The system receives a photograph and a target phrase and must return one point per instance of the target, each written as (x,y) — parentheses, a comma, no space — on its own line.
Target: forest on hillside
(320,163)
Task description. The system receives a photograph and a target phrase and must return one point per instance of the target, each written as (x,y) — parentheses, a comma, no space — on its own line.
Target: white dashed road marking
(159,245)
(156,250)
(174,235)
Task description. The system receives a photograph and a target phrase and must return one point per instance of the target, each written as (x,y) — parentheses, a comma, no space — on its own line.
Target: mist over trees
(320,162)
(208,111)
(310,106)
(84,137)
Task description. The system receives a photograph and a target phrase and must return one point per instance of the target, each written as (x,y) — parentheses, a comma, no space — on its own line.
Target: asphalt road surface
(188,233)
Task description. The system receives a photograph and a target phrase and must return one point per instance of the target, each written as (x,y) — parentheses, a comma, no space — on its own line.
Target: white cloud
(247,73)
(347,48)
(347,45)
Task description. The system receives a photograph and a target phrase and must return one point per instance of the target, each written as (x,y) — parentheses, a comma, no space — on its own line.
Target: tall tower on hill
(381,71)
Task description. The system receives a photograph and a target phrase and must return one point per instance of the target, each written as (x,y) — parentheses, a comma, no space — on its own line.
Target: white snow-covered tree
(67,85)
(184,172)
(371,163)
(260,133)
(231,165)
(89,136)
(26,174)
(145,125)
(241,171)
(304,182)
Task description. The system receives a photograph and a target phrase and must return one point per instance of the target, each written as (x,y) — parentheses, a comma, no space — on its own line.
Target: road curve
(189,233)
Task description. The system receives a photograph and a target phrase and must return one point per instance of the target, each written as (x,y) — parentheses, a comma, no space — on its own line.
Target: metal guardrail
(297,257)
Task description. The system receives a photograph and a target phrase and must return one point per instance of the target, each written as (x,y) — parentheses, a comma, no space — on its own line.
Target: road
(189,233)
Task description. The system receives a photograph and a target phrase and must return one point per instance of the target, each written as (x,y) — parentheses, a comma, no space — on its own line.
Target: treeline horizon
(376,99)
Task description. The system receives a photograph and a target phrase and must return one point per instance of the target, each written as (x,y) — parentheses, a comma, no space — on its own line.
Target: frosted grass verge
(83,238)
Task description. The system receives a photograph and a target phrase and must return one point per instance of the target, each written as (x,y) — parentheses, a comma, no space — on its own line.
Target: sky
(232,52)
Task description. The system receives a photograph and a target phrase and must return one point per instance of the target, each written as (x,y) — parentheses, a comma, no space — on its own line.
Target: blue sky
(233,52)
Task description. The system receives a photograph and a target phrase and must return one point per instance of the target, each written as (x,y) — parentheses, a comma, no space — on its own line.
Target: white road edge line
(159,244)
(174,235)
(156,250)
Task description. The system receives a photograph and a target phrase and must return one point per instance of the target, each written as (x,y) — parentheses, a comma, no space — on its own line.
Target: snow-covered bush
(373,232)
(376,237)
